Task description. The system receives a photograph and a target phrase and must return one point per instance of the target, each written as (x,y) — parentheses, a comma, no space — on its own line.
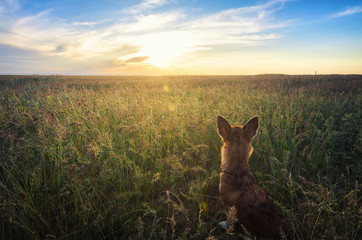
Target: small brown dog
(238,186)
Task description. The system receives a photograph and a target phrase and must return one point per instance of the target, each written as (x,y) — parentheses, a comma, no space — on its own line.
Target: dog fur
(238,186)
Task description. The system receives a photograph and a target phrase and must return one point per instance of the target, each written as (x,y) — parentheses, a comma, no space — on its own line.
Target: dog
(238,187)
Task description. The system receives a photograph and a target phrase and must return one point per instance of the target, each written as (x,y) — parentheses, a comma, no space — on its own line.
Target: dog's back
(238,186)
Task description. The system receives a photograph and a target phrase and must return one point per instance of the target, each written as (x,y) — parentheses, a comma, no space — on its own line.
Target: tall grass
(88,157)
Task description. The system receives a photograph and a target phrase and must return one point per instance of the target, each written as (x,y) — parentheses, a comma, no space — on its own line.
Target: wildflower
(156,177)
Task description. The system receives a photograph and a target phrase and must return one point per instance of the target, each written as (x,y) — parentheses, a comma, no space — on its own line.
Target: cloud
(137,59)
(133,61)
(246,25)
(159,39)
(84,23)
(146,5)
(347,12)
(9,6)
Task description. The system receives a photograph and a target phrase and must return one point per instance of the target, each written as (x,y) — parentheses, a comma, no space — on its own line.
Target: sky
(180,37)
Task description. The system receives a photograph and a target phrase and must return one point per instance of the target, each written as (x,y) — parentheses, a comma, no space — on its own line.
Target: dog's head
(237,146)
(237,134)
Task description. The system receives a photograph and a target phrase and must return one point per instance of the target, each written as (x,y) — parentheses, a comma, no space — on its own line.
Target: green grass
(86,157)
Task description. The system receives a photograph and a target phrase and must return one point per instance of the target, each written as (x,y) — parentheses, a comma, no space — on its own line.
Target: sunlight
(165,37)
(164,48)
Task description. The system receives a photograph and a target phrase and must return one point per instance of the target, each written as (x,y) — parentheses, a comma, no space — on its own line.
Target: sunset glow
(180,37)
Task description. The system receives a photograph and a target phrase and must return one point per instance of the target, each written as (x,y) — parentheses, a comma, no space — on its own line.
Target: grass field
(87,157)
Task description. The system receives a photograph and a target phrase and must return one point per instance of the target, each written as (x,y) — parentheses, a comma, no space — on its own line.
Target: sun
(165,49)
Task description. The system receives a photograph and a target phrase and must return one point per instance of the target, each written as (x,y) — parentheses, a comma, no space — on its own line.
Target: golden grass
(90,157)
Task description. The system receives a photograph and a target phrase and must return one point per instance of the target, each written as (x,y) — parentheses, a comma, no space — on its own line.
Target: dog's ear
(223,127)
(251,127)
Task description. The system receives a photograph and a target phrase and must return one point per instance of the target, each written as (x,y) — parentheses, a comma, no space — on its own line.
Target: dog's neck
(235,158)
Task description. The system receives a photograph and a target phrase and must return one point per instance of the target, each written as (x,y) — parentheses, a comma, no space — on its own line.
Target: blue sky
(180,37)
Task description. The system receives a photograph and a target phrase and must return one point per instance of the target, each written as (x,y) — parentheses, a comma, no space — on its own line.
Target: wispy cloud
(84,23)
(137,59)
(9,6)
(146,5)
(347,12)
(150,39)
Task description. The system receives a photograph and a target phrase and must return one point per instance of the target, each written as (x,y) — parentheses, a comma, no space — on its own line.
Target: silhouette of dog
(238,186)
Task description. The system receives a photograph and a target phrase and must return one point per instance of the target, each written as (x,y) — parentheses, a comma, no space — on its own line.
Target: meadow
(132,157)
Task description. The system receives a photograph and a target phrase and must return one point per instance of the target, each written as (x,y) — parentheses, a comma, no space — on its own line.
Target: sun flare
(164,49)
